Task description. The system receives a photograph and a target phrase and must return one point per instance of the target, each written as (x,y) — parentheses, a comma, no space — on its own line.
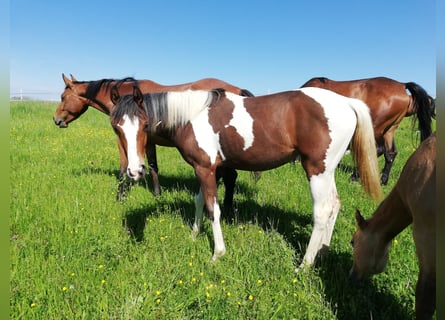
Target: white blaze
(130,129)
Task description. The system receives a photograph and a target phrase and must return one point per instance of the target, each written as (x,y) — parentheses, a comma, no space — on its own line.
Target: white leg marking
(326,241)
(220,248)
(323,205)
(199,208)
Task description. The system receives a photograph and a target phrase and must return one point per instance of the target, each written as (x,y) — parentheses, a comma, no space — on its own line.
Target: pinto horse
(389,104)
(213,129)
(79,95)
(412,200)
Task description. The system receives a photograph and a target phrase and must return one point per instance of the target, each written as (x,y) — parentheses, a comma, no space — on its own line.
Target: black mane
(126,106)
(95,86)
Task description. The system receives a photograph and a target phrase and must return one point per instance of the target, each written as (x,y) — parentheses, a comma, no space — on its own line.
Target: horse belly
(263,154)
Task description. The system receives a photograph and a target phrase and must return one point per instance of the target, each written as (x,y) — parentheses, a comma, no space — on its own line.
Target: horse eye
(146,127)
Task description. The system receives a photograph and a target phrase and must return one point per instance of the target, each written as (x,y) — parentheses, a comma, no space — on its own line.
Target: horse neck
(390,218)
(101,101)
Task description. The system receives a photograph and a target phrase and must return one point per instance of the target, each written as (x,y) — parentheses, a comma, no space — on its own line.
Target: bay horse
(389,104)
(412,200)
(213,129)
(79,95)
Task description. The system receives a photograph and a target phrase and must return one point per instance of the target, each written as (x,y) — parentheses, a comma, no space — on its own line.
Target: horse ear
(360,220)
(138,97)
(73,78)
(67,81)
(114,95)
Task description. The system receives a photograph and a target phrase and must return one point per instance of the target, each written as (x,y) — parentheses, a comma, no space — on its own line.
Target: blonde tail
(364,151)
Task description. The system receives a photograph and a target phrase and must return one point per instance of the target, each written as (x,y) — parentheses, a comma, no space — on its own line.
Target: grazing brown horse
(213,129)
(412,200)
(389,104)
(79,95)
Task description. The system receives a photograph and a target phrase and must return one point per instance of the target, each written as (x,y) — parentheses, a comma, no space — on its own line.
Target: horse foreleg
(425,239)
(323,211)
(229,176)
(425,295)
(153,167)
(122,184)
(207,180)
(199,209)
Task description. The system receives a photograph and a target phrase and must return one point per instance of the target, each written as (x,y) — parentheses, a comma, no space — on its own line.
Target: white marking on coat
(241,120)
(205,137)
(341,124)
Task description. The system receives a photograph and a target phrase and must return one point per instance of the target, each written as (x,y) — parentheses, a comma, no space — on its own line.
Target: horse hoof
(217,255)
(194,234)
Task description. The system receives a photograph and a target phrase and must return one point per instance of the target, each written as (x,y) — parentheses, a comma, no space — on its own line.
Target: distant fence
(34,95)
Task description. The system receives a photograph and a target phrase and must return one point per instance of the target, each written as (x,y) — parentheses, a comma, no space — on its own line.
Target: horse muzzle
(60,123)
(355,278)
(136,174)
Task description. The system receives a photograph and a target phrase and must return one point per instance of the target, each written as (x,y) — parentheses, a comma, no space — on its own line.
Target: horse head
(370,251)
(128,120)
(73,104)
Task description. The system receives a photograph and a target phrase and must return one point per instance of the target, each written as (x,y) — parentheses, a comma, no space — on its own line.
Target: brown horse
(412,200)
(79,95)
(213,129)
(389,104)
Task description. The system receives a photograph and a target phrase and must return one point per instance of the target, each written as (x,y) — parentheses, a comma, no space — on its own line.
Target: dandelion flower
(101,266)
(32,305)
(250,297)
(103,281)
(180,282)
(260,281)
(158,300)
(223,281)
(158,293)
(229,294)
(64,288)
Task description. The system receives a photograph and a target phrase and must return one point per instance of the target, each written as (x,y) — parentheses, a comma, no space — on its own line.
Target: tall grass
(77,253)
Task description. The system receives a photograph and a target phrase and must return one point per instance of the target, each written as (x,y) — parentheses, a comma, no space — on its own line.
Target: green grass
(77,253)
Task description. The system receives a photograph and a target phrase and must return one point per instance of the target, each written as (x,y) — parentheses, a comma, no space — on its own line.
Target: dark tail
(424,107)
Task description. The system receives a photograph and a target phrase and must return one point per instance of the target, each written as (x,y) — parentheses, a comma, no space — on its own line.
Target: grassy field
(77,253)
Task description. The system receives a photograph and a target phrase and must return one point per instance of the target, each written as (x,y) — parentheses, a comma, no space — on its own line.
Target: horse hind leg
(326,241)
(325,210)
(390,153)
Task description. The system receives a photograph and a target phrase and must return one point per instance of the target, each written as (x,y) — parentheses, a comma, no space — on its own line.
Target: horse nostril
(129,173)
(142,168)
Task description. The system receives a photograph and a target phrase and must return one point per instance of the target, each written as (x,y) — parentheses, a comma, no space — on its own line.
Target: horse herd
(219,128)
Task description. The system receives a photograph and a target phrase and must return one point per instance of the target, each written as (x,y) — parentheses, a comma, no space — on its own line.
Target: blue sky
(262,46)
